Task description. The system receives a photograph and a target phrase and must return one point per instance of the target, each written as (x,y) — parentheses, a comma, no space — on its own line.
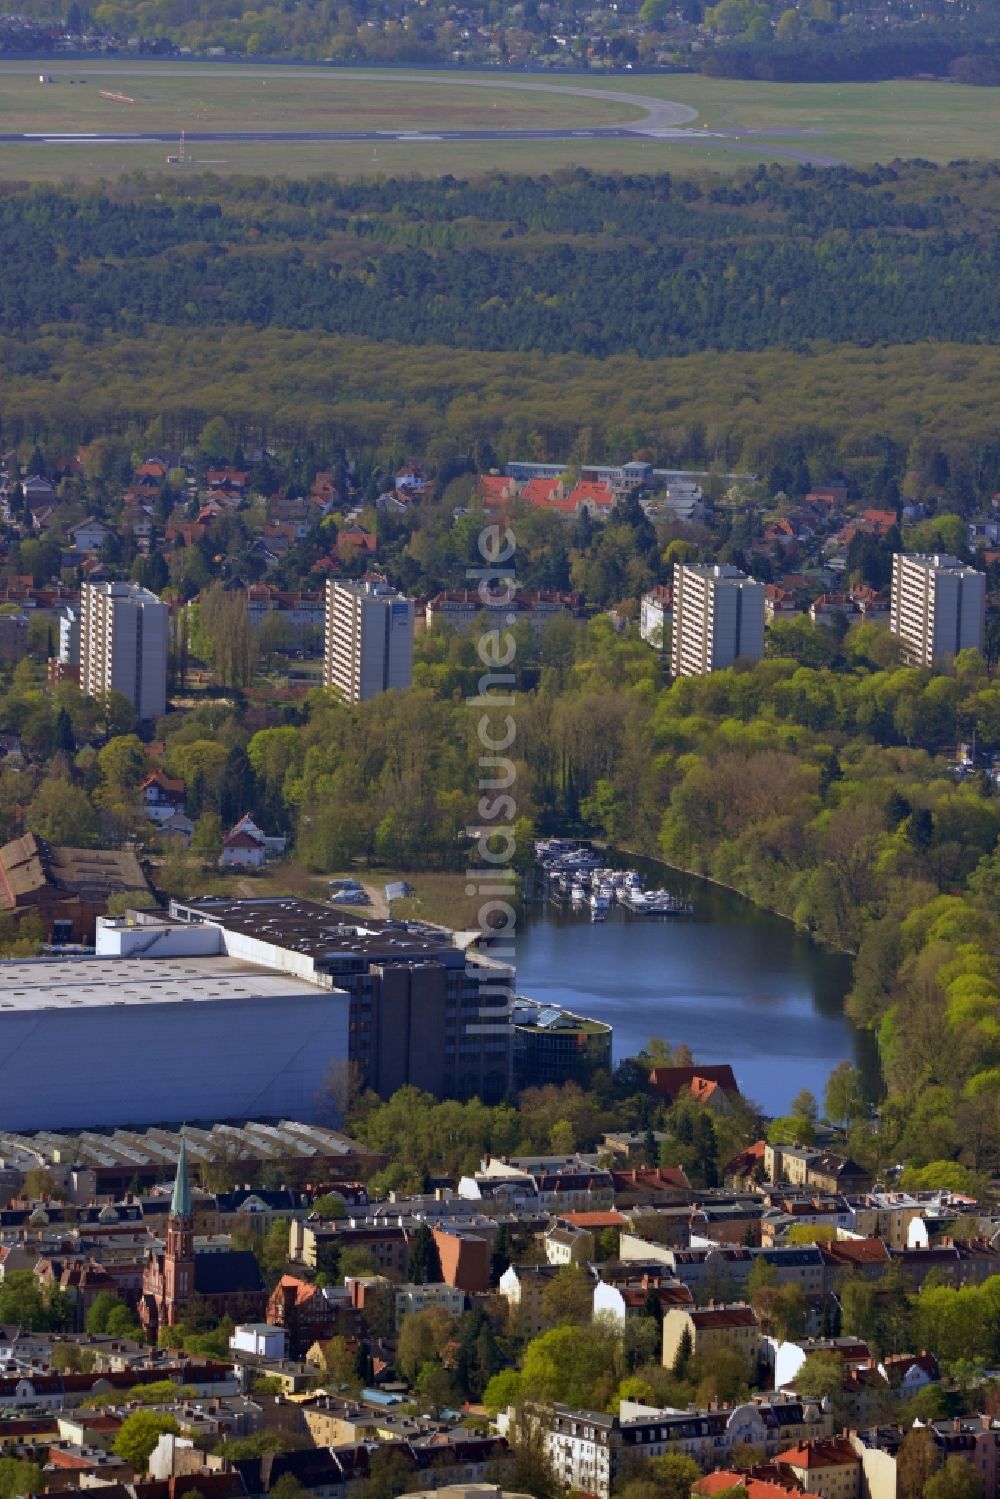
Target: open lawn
(853,122)
(860,122)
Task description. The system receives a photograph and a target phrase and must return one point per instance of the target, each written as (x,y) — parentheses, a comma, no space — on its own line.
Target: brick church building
(227,1282)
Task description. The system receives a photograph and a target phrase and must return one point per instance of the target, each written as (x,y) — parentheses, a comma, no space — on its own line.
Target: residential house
(178,826)
(593,496)
(567,1245)
(38,491)
(909,1373)
(409,1299)
(835,1173)
(91,535)
(355,540)
(809,1166)
(789,1356)
(621,1299)
(779,603)
(708,1083)
(459,609)
(162,797)
(829,496)
(246,846)
(747,1168)
(496,491)
(318,1245)
(958,1263)
(867,1258)
(227,481)
(656,614)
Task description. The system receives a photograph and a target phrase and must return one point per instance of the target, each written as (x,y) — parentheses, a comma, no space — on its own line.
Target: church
(227,1282)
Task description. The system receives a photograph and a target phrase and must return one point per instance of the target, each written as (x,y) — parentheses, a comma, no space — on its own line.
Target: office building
(938,606)
(552,1045)
(422,1010)
(369,639)
(718,619)
(123,645)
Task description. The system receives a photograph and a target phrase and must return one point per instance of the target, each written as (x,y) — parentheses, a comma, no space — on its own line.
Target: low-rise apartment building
(712,1330)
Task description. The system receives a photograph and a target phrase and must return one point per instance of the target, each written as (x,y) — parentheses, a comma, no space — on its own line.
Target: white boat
(599,900)
(577,893)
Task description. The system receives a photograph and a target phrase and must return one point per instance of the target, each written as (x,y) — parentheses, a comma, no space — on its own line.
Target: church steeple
(180,1202)
(178,1258)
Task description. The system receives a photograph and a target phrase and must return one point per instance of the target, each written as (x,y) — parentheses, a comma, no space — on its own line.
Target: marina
(572,874)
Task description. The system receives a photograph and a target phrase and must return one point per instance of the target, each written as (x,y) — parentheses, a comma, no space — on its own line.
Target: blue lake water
(733,983)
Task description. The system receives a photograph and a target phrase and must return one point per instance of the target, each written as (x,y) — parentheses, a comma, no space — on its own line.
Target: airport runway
(659,119)
(734,140)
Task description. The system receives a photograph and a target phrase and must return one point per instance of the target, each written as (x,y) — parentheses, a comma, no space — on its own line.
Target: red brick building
(308,1316)
(68,888)
(228,1281)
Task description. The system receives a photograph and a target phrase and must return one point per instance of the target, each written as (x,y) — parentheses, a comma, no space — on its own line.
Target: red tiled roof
(756,1488)
(594,492)
(165,783)
(241,840)
(855,1251)
(723,1316)
(885,518)
(539,491)
(672,1081)
(827,1452)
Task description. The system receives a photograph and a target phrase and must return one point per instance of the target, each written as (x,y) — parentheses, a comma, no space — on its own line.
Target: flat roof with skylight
(98,983)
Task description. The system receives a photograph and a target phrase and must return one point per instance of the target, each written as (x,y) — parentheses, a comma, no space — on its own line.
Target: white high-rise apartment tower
(369,639)
(718,617)
(938,606)
(123,645)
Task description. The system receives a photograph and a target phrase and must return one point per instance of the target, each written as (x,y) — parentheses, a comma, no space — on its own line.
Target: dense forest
(170,304)
(830,55)
(584,265)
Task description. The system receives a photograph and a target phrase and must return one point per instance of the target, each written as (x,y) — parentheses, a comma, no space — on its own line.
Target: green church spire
(180,1202)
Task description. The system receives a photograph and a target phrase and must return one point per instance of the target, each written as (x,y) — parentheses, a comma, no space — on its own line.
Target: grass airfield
(858,123)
